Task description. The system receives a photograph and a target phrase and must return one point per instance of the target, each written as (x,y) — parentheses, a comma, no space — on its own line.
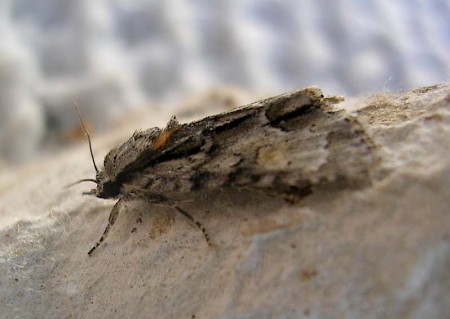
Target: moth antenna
(90,193)
(81,181)
(75,103)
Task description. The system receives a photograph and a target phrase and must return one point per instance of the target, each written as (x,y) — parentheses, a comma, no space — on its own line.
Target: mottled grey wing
(287,143)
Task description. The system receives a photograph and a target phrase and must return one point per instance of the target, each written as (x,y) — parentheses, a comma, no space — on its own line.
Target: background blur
(115,56)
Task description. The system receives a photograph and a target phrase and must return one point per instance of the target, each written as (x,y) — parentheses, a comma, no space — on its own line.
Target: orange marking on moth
(162,139)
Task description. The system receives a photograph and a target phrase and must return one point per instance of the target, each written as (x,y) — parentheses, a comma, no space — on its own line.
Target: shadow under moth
(287,144)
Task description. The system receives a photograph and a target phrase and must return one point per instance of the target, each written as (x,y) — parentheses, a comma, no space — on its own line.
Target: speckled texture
(115,56)
(380,252)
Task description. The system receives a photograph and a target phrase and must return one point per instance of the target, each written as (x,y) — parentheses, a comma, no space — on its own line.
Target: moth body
(286,144)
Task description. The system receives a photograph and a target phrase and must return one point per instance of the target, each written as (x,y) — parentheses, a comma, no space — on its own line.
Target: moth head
(105,188)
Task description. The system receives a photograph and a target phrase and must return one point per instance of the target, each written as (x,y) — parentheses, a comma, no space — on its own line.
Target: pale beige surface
(380,252)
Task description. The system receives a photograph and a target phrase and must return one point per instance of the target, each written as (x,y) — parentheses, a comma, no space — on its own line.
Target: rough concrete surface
(378,252)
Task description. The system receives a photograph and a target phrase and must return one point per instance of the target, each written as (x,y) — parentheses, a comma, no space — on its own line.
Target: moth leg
(158,199)
(197,223)
(111,220)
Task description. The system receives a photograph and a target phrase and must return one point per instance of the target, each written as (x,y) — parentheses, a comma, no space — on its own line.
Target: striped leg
(111,220)
(198,224)
(162,200)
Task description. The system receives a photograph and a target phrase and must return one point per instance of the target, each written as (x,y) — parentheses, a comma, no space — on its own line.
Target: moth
(287,144)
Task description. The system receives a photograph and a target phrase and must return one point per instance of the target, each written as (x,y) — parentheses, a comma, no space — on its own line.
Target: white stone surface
(380,252)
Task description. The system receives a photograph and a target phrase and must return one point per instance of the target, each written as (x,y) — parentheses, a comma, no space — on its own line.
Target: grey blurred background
(116,56)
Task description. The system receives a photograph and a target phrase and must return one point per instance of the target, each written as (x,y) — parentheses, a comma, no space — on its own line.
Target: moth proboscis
(285,144)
